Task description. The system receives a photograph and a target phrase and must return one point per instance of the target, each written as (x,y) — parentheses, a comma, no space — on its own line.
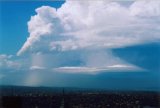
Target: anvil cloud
(92,24)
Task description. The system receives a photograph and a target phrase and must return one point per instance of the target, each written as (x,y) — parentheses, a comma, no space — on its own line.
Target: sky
(90,44)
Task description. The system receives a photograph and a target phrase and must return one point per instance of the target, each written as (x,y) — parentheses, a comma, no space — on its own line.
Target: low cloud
(6,62)
(37,68)
(96,70)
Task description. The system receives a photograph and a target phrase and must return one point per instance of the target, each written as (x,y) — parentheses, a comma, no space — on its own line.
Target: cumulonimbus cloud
(92,24)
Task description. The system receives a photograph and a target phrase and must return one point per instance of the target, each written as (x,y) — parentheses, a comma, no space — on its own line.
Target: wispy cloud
(37,68)
(6,62)
(96,70)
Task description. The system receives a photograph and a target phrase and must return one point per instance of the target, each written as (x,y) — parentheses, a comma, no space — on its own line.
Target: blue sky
(80,44)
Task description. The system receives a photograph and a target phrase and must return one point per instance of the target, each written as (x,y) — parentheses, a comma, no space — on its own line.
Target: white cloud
(98,61)
(101,58)
(119,66)
(90,25)
(39,26)
(4,56)
(93,24)
(6,62)
(37,68)
(95,70)
(89,70)
(145,8)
